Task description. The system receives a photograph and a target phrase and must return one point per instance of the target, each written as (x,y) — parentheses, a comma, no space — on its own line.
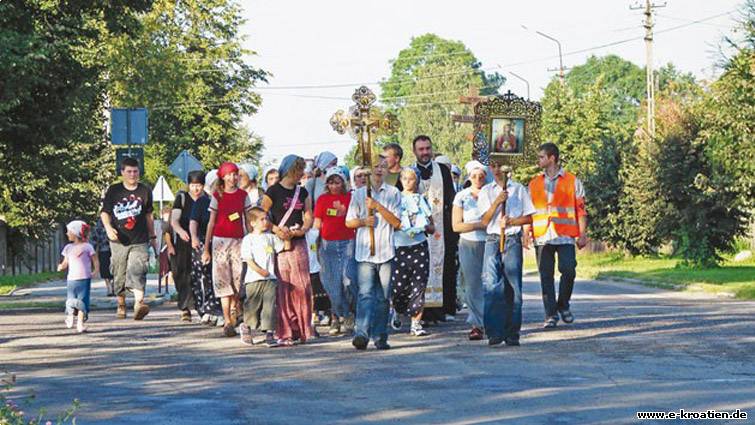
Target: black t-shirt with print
(128,210)
(281,198)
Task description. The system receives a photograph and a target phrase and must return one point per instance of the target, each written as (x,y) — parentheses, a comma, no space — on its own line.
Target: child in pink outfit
(80,258)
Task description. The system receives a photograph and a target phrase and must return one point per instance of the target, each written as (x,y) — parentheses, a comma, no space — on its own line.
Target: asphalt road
(631,349)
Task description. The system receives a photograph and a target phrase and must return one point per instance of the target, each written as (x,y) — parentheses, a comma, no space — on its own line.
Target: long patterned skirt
(201,285)
(294,293)
(411,268)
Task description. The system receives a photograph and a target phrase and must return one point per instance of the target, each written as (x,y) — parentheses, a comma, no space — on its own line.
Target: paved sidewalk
(631,349)
(54,292)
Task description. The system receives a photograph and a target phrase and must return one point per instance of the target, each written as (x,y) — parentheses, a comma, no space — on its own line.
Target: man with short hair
(559,222)
(502,271)
(374,270)
(127,216)
(437,184)
(393,154)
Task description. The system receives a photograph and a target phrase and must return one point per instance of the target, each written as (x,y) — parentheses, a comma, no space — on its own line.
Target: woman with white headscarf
(466,219)
(248,182)
(316,184)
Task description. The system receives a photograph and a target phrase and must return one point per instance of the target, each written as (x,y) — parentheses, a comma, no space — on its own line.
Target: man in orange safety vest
(560,222)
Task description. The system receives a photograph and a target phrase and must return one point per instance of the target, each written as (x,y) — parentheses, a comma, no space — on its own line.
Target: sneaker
(205,319)
(417,329)
(348,325)
(246,335)
(495,341)
(326,320)
(450,318)
(219,321)
(360,342)
(80,326)
(382,345)
(512,342)
(550,322)
(186,316)
(228,331)
(335,327)
(285,342)
(566,316)
(270,340)
(475,334)
(120,311)
(395,320)
(140,311)
(69,320)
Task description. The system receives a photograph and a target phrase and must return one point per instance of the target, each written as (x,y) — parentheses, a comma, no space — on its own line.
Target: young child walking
(411,265)
(258,251)
(80,259)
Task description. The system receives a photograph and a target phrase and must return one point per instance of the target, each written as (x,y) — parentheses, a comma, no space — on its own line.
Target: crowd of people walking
(268,257)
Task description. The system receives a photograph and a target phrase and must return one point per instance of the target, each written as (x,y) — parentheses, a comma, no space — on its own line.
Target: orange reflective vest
(561,210)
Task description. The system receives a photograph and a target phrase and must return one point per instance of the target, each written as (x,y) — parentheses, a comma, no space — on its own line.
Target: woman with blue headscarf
(316,184)
(290,209)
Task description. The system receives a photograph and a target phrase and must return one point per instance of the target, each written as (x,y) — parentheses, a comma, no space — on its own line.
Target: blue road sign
(184,164)
(129,126)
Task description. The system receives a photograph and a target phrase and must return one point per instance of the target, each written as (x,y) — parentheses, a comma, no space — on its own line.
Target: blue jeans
(471,259)
(333,260)
(77,296)
(374,281)
(502,285)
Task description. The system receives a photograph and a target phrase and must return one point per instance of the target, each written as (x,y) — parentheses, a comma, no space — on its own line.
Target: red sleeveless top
(230,219)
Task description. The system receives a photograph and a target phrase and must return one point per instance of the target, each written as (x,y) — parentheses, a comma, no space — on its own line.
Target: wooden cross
(472,98)
(364,122)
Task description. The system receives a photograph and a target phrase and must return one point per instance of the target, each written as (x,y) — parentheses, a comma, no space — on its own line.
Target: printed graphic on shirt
(287,204)
(128,209)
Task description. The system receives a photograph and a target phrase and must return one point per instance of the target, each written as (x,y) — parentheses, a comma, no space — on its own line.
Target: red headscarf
(227,168)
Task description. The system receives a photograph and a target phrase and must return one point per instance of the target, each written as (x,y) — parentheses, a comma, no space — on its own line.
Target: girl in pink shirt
(80,259)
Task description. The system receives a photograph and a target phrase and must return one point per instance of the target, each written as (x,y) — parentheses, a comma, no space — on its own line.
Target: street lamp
(560,54)
(525,82)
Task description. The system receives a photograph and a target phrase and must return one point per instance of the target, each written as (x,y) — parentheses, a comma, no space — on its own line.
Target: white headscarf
(209,181)
(264,175)
(78,228)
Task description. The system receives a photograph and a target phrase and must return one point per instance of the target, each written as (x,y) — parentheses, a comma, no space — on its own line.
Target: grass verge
(737,278)
(10,283)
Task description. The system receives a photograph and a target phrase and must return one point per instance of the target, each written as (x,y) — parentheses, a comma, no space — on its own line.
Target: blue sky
(334,42)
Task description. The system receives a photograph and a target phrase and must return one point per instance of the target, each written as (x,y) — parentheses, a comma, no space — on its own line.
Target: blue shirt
(415,215)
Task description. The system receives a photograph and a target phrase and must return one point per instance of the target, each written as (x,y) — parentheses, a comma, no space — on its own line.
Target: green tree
(188,67)
(52,140)
(423,89)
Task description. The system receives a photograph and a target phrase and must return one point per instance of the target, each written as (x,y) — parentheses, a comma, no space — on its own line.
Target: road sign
(129,126)
(137,153)
(184,164)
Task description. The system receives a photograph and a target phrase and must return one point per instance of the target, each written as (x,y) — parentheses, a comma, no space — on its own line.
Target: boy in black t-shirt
(127,217)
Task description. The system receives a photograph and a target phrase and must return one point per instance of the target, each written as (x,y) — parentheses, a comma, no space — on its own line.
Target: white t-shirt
(311,236)
(471,214)
(261,249)
(518,204)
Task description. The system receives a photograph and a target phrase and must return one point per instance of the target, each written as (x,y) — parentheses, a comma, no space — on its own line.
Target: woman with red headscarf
(229,218)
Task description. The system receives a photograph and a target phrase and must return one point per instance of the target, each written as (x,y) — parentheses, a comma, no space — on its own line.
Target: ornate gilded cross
(472,98)
(364,122)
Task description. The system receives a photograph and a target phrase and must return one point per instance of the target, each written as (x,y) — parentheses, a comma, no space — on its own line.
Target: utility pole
(525,82)
(561,68)
(649,78)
